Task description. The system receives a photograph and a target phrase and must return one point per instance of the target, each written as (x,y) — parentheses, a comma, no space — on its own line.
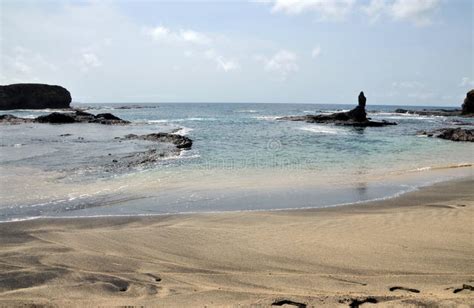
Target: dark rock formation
(181,142)
(467,109)
(11,119)
(468,105)
(77,116)
(101,118)
(454,134)
(356,117)
(431,112)
(33,96)
(151,155)
(107,116)
(56,118)
(358,113)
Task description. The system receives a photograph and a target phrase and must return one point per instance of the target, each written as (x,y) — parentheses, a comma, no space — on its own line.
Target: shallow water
(242,159)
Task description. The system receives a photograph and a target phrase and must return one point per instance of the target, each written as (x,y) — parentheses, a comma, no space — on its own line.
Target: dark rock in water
(65,118)
(454,134)
(181,142)
(356,117)
(457,134)
(56,118)
(33,96)
(107,116)
(468,105)
(431,112)
(358,113)
(11,119)
(102,118)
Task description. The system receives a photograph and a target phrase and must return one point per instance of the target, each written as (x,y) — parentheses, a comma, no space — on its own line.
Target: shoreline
(417,179)
(323,257)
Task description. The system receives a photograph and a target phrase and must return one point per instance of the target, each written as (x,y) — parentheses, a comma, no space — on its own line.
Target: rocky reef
(453,134)
(467,109)
(355,117)
(431,112)
(468,105)
(33,96)
(77,116)
(181,142)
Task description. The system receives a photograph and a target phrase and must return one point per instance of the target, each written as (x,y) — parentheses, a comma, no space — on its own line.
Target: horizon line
(214,102)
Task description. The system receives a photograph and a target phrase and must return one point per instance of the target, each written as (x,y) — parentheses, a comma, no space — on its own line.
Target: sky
(399,52)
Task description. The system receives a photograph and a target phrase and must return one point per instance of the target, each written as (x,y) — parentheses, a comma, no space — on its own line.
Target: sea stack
(356,117)
(358,113)
(468,105)
(33,96)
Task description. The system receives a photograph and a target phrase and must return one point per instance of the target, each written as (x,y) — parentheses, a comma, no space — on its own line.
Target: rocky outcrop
(11,119)
(355,117)
(453,134)
(33,96)
(431,112)
(181,142)
(468,105)
(66,118)
(56,118)
(467,109)
(152,155)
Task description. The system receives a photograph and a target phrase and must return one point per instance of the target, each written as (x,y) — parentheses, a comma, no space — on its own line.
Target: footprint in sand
(355,303)
(404,289)
(287,302)
(110,283)
(465,287)
(155,278)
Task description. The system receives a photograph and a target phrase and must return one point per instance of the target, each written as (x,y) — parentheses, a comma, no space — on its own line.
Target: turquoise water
(242,159)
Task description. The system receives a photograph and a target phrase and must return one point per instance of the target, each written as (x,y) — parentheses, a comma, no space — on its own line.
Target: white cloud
(283,62)
(466,81)
(227,65)
(316,52)
(22,65)
(89,60)
(222,63)
(327,10)
(375,9)
(418,12)
(164,34)
(193,37)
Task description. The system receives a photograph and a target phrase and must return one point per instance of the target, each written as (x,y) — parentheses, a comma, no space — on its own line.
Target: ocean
(242,159)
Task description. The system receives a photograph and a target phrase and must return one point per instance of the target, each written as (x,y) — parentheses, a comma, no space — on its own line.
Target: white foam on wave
(183,131)
(247,111)
(321,129)
(179,120)
(267,118)
(395,115)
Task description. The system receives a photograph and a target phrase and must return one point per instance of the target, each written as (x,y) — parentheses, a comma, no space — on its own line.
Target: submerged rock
(56,118)
(355,117)
(453,134)
(467,109)
(33,96)
(66,118)
(11,119)
(181,142)
(468,105)
(431,112)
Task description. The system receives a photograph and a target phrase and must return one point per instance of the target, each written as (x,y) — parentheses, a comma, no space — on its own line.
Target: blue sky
(415,52)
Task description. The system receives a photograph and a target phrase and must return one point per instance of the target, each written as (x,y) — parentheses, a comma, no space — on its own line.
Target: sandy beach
(412,250)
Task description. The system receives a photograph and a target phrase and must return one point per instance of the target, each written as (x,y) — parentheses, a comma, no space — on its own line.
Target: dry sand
(421,244)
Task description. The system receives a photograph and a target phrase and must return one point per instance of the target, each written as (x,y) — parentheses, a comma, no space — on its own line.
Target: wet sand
(412,250)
